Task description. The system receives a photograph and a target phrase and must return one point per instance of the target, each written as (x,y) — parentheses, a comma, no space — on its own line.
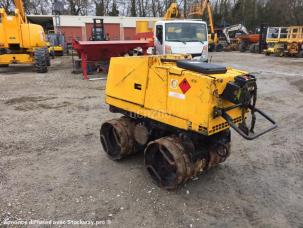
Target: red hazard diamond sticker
(184,85)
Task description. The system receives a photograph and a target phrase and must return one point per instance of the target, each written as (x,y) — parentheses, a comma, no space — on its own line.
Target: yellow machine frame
(295,34)
(166,106)
(199,9)
(172,12)
(54,49)
(179,111)
(144,26)
(275,40)
(19,37)
(295,40)
(291,44)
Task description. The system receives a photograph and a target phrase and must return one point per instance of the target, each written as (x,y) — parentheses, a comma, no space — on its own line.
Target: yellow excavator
(146,27)
(198,10)
(22,42)
(172,12)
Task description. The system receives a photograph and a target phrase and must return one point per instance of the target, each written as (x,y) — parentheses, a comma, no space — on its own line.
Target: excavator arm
(210,17)
(199,10)
(20,7)
(172,12)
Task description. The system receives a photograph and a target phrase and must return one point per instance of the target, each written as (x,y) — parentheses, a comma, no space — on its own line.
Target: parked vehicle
(276,39)
(181,37)
(22,42)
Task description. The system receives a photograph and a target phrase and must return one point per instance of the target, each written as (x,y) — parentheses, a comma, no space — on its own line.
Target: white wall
(79,21)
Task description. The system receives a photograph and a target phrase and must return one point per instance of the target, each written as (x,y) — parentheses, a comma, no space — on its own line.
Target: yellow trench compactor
(179,112)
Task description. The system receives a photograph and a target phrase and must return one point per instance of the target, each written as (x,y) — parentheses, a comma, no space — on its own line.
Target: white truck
(181,37)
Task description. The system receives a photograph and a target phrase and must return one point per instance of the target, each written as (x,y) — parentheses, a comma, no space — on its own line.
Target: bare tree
(78,7)
(154,8)
(249,12)
(6,4)
(133,8)
(37,7)
(102,7)
(114,10)
(144,8)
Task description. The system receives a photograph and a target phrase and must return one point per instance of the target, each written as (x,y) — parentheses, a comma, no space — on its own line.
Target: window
(273,33)
(185,32)
(283,33)
(159,33)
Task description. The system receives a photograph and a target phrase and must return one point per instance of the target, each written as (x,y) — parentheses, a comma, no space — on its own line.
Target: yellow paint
(160,97)
(291,44)
(172,12)
(13,31)
(198,10)
(16,58)
(295,34)
(55,48)
(145,26)
(294,39)
(17,34)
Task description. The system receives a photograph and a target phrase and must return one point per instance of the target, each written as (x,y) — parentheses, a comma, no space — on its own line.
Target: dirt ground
(52,166)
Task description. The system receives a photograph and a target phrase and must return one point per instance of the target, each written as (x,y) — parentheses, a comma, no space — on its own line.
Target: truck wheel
(252,48)
(52,54)
(40,60)
(243,47)
(48,60)
(131,52)
(4,65)
(257,48)
(47,57)
(279,53)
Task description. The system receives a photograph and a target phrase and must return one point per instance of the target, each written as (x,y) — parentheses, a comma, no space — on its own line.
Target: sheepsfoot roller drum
(179,113)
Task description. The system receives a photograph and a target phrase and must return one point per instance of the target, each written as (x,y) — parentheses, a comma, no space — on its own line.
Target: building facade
(80,27)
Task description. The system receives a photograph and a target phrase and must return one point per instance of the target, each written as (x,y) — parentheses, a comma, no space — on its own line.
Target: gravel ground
(52,166)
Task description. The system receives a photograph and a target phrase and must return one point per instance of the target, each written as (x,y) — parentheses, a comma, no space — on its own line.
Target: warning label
(184,85)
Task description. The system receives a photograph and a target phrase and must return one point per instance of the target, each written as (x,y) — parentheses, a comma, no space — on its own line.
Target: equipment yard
(52,166)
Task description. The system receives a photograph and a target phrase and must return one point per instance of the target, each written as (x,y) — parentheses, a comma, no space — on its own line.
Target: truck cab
(181,37)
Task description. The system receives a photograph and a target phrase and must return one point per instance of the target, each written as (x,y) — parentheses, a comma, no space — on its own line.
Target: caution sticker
(184,85)
(176,95)
(174,84)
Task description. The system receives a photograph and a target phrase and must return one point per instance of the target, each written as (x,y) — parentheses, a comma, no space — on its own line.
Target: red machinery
(96,51)
(248,42)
